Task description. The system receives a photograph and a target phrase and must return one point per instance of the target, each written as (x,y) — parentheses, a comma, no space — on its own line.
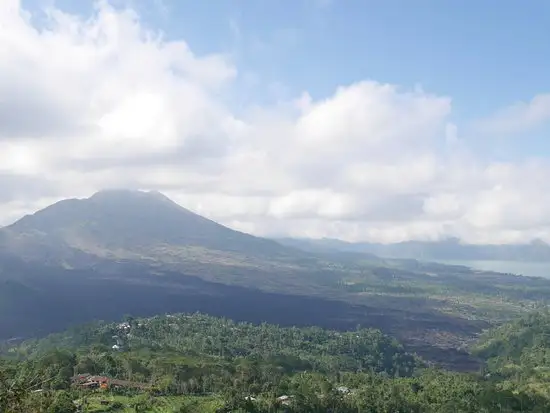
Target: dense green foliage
(518,352)
(518,340)
(197,363)
(217,340)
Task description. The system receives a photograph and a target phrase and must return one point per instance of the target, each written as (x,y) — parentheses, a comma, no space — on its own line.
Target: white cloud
(96,102)
(519,117)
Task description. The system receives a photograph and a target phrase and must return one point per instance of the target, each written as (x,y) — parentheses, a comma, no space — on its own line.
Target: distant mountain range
(451,249)
(125,225)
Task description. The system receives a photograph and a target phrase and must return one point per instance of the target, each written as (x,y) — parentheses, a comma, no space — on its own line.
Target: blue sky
(484,55)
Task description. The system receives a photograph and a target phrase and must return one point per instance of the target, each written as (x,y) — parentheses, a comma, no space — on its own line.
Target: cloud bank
(102,101)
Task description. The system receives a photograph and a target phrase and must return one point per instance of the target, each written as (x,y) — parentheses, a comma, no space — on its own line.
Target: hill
(518,352)
(199,335)
(522,342)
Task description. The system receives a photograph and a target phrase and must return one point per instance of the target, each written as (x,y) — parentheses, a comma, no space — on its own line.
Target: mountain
(133,252)
(447,249)
(132,225)
(137,252)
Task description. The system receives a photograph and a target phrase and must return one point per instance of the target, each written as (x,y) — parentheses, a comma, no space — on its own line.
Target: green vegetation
(197,363)
(200,340)
(486,296)
(518,353)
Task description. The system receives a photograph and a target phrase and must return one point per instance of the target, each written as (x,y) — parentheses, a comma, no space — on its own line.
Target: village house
(87,381)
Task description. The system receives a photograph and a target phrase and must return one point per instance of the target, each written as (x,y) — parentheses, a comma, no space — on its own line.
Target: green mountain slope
(519,353)
(524,341)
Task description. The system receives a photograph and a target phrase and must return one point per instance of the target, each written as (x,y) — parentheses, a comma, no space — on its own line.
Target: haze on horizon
(314,121)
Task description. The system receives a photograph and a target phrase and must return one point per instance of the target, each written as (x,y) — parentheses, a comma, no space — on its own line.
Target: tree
(62,403)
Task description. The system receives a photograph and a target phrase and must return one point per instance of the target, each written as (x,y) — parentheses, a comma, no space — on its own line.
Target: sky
(379,120)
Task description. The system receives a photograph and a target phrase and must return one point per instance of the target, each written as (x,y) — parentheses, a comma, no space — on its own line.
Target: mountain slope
(125,224)
(519,352)
(522,341)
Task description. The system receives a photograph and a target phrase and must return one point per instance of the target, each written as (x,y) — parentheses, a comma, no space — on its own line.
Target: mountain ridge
(134,224)
(446,249)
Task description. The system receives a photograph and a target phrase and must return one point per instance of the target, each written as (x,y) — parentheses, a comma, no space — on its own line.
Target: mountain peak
(134,198)
(115,192)
(131,223)
(129,193)
(537,242)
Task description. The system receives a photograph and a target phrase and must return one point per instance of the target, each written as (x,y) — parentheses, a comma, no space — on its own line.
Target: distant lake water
(530,269)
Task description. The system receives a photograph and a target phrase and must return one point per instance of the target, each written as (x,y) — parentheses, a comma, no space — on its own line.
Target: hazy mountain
(129,225)
(149,230)
(448,249)
(137,252)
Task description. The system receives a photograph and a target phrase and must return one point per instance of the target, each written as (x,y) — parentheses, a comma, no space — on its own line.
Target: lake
(530,269)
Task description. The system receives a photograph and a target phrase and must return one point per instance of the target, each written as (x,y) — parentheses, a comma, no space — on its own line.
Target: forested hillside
(310,348)
(197,363)
(519,352)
